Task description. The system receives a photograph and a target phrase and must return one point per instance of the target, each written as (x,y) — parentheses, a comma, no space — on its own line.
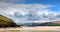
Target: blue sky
(47,2)
(53,2)
(24,11)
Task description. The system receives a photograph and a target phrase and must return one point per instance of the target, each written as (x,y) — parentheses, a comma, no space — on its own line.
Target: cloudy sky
(24,11)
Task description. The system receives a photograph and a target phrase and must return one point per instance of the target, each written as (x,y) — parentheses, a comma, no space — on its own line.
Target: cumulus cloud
(22,8)
(27,12)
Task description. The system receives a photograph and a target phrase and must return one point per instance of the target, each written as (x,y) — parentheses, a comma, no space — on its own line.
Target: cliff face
(6,22)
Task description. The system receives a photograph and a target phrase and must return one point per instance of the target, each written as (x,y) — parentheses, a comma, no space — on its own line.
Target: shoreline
(41,28)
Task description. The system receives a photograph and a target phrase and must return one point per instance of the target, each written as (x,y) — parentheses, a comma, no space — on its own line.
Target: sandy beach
(38,28)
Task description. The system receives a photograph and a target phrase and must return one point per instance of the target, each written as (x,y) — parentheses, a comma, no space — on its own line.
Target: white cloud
(11,1)
(22,8)
(11,12)
(9,9)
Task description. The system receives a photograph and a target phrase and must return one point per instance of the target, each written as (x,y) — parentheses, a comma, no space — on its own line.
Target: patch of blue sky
(46,2)
(54,9)
(53,2)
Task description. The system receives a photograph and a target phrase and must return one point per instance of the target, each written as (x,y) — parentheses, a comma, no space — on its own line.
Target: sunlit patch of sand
(40,28)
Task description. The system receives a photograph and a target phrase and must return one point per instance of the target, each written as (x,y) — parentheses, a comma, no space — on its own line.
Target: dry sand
(40,28)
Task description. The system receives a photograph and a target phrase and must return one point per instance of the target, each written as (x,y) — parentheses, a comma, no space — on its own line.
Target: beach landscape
(29,15)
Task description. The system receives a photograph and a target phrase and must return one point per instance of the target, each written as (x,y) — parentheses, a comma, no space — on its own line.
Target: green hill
(53,23)
(7,22)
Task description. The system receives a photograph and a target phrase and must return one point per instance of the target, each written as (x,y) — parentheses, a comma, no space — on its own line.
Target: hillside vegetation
(7,22)
(53,23)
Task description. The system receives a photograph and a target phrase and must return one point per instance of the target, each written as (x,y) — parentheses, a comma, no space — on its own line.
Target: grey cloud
(11,1)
